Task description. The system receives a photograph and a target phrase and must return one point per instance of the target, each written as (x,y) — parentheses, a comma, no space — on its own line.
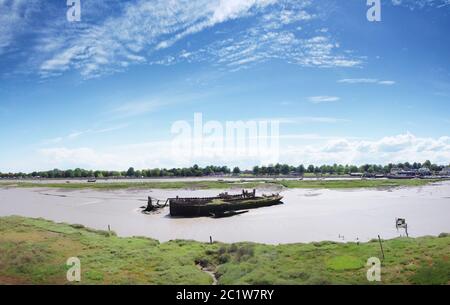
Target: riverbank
(219,184)
(34,251)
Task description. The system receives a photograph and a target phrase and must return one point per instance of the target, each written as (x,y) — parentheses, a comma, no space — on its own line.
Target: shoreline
(221,184)
(112,233)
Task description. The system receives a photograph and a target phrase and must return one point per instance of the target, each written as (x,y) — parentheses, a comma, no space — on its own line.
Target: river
(306,215)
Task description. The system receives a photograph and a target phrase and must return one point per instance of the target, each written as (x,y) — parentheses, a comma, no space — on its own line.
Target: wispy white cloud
(418,4)
(223,11)
(325,150)
(146,32)
(141,29)
(304,120)
(155,102)
(14,18)
(366,81)
(112,128)
(153,32)
(387,82)
(323,99)
(137,108)
(139,155)
(77,134)
(398,148)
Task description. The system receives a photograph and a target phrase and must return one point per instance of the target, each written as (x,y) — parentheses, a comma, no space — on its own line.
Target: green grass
(313,184)
(138,185)
(345,262)
(348,184)
(34,251)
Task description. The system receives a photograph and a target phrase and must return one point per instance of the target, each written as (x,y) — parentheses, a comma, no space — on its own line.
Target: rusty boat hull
(197,207)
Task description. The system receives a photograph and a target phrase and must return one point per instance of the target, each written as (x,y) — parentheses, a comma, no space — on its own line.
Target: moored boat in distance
(223,204)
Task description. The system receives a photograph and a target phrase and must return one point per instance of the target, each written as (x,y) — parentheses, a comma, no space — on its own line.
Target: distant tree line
(339,169)
(197,171)
(194,171)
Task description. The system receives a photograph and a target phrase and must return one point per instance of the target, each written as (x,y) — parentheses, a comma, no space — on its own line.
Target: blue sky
(103,93)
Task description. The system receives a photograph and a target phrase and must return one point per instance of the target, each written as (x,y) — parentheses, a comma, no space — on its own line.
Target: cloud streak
(166,32)
(367,81)
(304,120)
(419,4)
(141,29)
(323,99)
(114,35)
(14,18)
(76,134)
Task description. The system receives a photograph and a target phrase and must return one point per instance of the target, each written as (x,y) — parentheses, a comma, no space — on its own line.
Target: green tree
(77,173)
(285,169)
(130,172)
(256,170)
(427,164)
(301,169)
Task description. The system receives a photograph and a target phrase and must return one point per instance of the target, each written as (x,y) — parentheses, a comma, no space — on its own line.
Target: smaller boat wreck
(223,205)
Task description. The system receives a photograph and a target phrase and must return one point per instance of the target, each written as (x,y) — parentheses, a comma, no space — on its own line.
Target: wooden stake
(210,240)
(381,246)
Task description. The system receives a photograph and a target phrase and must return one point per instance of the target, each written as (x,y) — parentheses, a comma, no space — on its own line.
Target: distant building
(396,170)
(424,171)
(445,171)
(403,172)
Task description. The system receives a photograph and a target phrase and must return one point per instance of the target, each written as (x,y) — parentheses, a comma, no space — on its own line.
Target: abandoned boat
(223,204)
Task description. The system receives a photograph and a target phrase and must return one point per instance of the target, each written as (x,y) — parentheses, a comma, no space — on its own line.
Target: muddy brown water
(306,215)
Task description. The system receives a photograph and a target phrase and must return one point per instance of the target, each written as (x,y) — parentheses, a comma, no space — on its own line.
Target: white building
(424,171)
(445,171)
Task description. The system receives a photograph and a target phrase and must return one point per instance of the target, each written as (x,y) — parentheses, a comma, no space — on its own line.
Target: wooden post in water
(381,246)
(210,240)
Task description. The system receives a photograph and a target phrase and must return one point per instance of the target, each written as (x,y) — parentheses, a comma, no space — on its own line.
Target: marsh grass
(35,251)
(306,184)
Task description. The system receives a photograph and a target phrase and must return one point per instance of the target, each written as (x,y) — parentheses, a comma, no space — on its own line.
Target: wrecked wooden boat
(223,204)
(153,205)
